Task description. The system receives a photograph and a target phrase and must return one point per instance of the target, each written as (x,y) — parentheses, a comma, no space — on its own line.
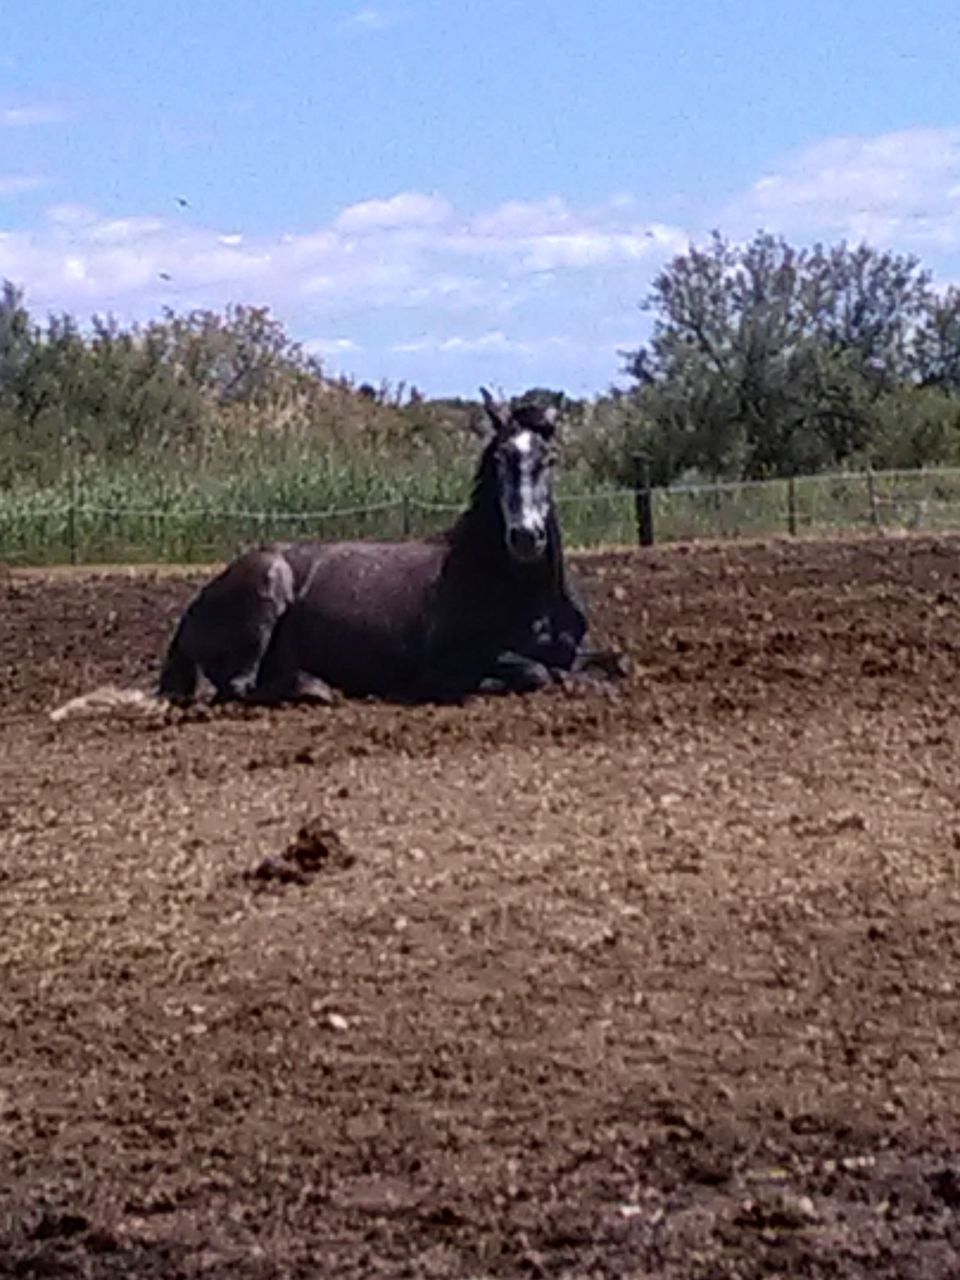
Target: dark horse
(484,607)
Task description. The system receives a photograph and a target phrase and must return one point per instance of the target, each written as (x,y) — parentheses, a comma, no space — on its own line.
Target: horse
(484,607)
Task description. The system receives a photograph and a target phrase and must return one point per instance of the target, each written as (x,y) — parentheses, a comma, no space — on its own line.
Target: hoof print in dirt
(316,847)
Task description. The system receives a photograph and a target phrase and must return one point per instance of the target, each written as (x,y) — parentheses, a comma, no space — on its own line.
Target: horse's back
(371,583)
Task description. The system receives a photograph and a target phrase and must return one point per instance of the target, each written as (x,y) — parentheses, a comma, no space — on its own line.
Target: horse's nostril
(526,543)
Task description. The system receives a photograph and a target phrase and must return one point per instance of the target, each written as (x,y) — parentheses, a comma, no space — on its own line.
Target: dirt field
(658,983)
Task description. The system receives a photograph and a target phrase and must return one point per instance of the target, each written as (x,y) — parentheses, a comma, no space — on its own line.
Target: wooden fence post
(872,496)
(72,547)
(792,506)
(643,501)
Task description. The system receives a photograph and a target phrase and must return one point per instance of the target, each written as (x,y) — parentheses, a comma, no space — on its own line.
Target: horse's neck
(479,533)
(478,541)
(555,549)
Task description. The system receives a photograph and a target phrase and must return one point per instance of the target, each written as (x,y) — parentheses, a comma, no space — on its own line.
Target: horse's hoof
(313,690)
(315,697)
(492,687)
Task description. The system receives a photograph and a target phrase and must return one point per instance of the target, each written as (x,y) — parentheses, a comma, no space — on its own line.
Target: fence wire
(91,534)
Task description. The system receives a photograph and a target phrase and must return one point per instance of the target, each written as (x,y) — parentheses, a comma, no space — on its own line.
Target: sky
(456,192)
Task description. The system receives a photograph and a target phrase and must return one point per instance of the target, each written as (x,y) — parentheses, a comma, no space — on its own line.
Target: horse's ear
(542,421)
(499,414)
(549,421)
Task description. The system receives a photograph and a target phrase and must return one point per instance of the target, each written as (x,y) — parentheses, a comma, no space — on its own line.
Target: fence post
(72,549)
(792,505)
(643,501)
(872,497)
(405,515)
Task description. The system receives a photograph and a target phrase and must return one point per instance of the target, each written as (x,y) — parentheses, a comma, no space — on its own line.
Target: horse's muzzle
(526,545)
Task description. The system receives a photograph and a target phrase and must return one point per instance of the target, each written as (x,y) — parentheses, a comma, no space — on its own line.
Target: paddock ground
(660,982)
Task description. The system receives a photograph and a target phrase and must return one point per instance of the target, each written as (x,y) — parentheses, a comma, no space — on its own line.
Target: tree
(937,343)
(767,359)
(16,339)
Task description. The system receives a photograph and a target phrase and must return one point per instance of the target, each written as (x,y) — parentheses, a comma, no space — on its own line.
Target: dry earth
(659,982)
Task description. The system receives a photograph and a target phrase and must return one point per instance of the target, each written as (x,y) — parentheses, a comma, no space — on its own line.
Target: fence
(78,533)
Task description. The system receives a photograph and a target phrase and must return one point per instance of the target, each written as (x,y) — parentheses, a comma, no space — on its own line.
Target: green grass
(179,514)
(122,514)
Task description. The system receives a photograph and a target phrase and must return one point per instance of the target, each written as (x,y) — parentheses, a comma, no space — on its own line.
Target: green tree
(937,343)
(767,359)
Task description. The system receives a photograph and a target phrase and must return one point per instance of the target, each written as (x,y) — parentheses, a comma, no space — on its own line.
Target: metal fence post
(792,505)
(643,501)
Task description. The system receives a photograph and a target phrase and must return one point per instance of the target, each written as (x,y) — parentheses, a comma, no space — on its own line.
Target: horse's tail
(178,682)
(109,701)
(181,672)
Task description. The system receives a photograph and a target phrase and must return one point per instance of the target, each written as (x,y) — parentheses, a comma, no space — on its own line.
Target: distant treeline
(764,360)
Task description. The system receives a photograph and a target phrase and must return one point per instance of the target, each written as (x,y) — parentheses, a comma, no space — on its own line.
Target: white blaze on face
(530,518)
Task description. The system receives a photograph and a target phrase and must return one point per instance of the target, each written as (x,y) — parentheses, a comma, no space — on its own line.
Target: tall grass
(206,506)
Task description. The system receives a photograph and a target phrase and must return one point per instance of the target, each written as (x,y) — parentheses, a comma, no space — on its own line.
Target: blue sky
(459,191)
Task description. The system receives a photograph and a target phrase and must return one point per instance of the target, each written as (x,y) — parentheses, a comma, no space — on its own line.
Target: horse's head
(521,452)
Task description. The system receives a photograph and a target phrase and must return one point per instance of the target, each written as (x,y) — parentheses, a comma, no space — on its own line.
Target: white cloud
(327,347)
(549,235)
(371,19)
(71,214)
(407,251)
(585,249)
(409,209)
(369,283)
(497,341)
(125,230)
(494,340)
(15,184)
(525,218)
(898,188)
(30,114)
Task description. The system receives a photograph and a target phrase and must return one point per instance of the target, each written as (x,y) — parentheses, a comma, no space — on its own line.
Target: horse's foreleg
(297,686)
(236,678)
(258,609)
(514,673)
(280,677)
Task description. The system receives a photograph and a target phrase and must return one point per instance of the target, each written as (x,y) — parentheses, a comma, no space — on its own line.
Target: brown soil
(659,982)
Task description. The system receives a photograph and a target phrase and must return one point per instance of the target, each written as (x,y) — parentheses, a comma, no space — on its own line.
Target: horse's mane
(482,497)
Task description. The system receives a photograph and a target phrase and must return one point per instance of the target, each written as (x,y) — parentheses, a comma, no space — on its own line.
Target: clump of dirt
(316,847)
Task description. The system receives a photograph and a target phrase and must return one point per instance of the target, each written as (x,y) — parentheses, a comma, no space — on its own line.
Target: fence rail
(89,533)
